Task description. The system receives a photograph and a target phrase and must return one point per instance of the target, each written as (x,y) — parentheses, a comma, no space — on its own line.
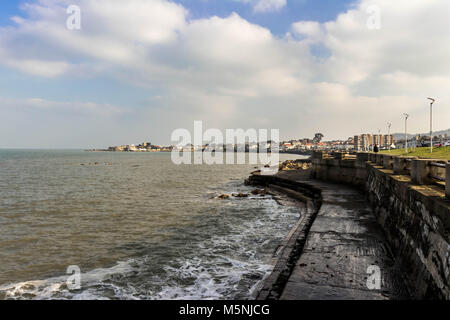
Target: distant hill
(400,136)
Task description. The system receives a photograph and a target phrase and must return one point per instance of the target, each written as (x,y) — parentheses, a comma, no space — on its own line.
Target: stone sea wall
(415,218)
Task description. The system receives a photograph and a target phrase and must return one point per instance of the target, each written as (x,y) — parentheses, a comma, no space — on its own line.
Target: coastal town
(362,142)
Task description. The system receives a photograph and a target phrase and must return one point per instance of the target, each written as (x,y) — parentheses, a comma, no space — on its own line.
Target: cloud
(265,5)
(311,30)
(62,107)
(269,5)
(43,68)
(232,73)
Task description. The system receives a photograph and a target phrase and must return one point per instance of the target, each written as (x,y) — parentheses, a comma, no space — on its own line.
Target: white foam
(221,267)
(56,288)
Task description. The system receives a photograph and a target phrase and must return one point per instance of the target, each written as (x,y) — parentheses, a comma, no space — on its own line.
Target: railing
(434,174)
(421,171)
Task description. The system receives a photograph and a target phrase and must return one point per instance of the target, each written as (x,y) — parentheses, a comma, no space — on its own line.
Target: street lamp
(431,123)
(406,131)
(388,138)
(380,142)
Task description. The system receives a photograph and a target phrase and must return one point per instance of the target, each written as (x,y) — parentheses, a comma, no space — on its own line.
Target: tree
(318,137)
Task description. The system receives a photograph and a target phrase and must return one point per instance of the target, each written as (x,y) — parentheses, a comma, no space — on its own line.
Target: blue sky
(136,72)
(8,9)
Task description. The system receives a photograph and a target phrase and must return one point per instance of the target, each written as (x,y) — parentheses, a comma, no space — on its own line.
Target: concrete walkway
(344,240)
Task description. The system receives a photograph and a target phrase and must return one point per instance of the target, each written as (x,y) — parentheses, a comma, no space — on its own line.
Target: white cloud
(269,5)
(312,30)
(38,67)
(265,5)
(62,107)
(232,73)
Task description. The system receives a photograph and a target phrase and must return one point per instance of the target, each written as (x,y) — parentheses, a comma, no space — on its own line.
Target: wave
(231,265)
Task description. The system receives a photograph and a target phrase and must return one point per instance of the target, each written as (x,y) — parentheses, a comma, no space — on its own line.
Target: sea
(133,226)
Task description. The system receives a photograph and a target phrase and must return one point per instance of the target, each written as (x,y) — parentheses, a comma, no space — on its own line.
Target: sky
(136,70)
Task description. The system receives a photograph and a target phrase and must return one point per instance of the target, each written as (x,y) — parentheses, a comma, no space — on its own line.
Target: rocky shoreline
(290,169)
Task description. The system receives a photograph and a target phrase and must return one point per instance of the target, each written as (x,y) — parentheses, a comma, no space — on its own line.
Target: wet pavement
(345,240)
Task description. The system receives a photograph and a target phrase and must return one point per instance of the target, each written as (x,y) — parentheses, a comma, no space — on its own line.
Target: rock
(260,192)
(240,195)
(294,165)
(223,196)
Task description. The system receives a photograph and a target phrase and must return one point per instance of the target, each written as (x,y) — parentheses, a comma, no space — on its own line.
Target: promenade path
(344,240)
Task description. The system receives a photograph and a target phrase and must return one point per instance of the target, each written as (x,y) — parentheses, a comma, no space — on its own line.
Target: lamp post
(379,139)
(406,131)
(431,123)
(388,138)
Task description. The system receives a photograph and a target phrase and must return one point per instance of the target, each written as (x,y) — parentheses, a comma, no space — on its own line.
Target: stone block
(317,155)
(362,156)
(379,159)
(387,161)
(338,155)
(400,165)
(420,171)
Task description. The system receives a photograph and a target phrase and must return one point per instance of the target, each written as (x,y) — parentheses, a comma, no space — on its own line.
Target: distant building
(366,142)
(388,140)
(132,148)
(378,140)
(357,143)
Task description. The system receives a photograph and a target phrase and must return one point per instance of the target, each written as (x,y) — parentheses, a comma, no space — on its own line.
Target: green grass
(424,153)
